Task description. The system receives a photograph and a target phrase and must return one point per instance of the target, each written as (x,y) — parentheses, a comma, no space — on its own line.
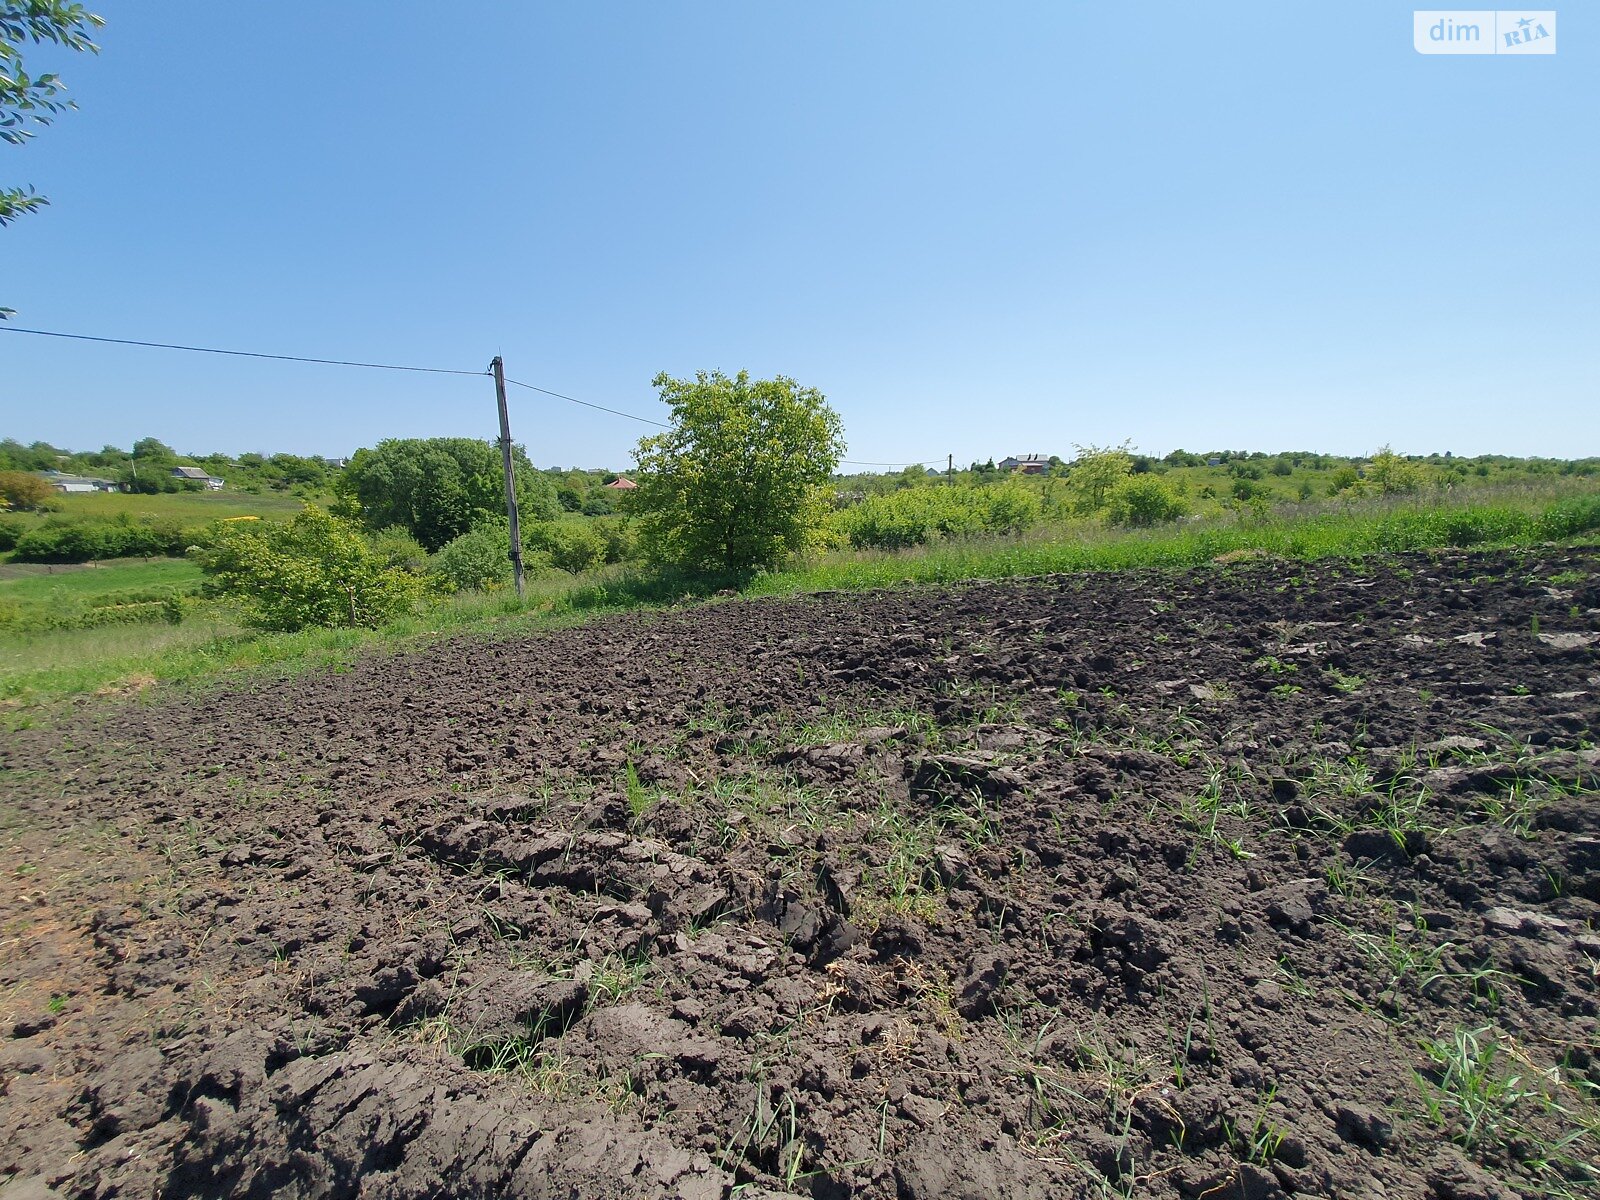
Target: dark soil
(1145,884)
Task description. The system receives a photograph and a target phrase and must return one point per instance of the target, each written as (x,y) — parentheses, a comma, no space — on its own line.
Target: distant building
(199,475)
(79,483)
(1028,464)
(622,484)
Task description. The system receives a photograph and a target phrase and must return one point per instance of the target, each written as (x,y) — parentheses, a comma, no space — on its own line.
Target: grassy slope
(41,583)
(191,508)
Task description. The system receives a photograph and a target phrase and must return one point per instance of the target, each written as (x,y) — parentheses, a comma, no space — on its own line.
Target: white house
(78,483)
(199,475)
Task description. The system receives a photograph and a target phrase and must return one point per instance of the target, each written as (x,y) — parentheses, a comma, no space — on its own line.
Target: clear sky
(979,229)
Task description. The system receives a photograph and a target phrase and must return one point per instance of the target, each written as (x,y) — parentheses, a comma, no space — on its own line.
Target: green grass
(36,599)
(44,668)
(39,583)
(192,508)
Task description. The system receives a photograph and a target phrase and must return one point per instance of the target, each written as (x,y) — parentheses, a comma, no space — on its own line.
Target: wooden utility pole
(950,469)
(511,475)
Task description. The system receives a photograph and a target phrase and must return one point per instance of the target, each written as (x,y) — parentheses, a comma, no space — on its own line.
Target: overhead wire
(327,362)
(343,362)
(616,412)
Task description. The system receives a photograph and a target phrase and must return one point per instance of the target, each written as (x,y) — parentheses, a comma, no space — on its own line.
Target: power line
(342,362)
(850,462)
(616,412)
(327,362)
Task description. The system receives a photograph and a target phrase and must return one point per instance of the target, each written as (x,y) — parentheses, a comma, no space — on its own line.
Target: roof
(622,484)
(58,478)
(1043,459)
(192,472)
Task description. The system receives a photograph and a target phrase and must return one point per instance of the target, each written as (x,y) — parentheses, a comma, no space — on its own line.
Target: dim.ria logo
(1484,31)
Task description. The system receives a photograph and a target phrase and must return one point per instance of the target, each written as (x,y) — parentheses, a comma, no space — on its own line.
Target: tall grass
(43,668)
(1378,527)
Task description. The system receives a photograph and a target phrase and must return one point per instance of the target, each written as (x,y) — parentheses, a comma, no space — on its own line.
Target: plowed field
(1264,879)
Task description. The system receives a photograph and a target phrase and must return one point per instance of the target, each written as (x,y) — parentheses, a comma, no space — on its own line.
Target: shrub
(1343,480)
(1391,475)
(1569,518)
(1012,508)
(617,532)
(915,516)
(64,544)
(397,548)
(480,560)
(1145,500)
(10,532)
(573,546)
(316,570)
(58,541)
(1095,474)
(22,490)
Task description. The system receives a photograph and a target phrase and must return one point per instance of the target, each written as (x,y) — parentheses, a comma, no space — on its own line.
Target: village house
(1027,464)
(199,475)
(79,483)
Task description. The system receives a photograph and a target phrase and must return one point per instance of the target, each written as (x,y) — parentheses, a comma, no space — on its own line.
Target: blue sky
(978,229)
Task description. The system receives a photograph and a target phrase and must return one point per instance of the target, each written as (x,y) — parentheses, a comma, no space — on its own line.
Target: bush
(480,560)
(1569,518)
(477,561)
(23,490)
(617,532)
(915,516)
(59,541)
(1145,500)
(572,546)
(1391,475)
(10,533)
(1095,474)
(64,544)
(1011,508)
(316,570)
(397,548)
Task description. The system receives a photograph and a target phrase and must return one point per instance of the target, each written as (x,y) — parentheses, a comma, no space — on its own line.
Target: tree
(34,100)
(1095,472)
(736,482)
(20,490)
(439,488)
(315,570)
(1390,475)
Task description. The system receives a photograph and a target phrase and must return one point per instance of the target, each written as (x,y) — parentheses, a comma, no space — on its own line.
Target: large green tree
(30,100)
(439,488)
(734,483)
